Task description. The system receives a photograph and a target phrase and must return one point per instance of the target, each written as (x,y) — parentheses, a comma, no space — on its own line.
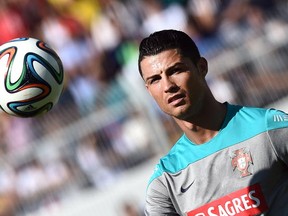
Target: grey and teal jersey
(242,171)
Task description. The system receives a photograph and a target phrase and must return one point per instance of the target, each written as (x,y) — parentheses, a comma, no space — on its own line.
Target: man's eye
(154,80)
(175,70)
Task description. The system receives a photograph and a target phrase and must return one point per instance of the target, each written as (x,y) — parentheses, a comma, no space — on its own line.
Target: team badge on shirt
(241,160)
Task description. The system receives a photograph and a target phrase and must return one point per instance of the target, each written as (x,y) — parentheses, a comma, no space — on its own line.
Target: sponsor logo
(245,202)
(30,108)
(183,190)
(241,160)
(280,118)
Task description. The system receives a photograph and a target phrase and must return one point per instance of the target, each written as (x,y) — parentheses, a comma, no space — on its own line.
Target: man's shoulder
(171,162)
(271,116)
(249,114)
(276,119)
(259,119)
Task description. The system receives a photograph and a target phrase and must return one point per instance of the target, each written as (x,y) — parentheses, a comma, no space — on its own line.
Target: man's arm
(277,122)
(158,201)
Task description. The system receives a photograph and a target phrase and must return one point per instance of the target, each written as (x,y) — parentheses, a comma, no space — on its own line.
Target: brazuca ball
(31,77)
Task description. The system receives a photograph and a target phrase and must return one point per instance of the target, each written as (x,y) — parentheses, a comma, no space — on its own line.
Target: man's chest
(232,181)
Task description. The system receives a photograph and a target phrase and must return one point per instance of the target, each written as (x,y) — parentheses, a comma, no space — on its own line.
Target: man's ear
(202,66)
(146,86)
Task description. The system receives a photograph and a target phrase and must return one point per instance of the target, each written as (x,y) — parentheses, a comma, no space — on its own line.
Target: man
(230,160)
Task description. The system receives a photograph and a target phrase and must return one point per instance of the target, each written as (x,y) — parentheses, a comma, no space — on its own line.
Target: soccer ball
(31,77)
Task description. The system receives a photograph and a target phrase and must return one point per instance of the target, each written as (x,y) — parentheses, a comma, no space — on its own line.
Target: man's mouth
(176,99)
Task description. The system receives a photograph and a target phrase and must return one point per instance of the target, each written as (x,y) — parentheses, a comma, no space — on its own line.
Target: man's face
(176,84)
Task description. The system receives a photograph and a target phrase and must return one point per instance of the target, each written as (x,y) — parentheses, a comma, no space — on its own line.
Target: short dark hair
(165,40)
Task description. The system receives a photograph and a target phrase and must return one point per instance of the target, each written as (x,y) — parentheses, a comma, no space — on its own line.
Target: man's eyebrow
(177,64)
(151,77)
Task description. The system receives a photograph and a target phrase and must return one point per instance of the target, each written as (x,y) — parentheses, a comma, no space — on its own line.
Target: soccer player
(230,160)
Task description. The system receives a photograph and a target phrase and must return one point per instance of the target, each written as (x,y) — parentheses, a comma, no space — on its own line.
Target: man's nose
(169,85)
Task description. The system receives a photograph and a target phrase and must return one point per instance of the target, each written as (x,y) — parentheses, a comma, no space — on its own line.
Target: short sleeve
(277,124)
(158,202)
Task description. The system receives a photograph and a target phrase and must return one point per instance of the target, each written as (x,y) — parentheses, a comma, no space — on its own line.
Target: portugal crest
(241,160)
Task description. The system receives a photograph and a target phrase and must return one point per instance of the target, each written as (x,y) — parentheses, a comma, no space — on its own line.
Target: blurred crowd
(97,41)
(97,38)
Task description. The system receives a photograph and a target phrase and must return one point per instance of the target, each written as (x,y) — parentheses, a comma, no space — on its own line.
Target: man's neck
(205,127)
(199,135)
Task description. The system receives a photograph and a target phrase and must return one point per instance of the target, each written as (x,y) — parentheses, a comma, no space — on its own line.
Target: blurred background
(95,151)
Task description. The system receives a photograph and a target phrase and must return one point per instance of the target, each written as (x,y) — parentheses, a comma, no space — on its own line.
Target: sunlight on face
(174,82)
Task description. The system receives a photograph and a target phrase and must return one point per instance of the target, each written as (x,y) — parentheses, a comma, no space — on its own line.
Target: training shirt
(242,171)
